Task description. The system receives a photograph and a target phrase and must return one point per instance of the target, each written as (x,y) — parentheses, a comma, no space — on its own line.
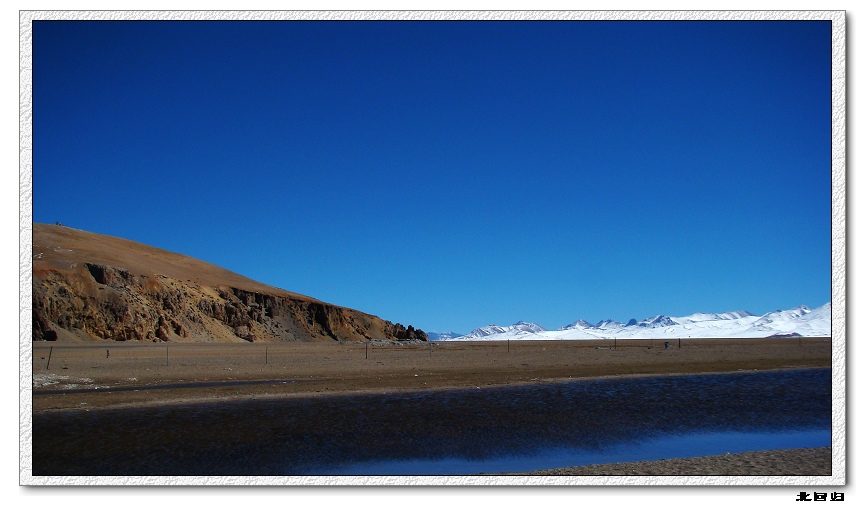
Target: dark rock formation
(88,287)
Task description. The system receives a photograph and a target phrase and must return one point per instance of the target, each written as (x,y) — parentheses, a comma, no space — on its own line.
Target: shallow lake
(494,430)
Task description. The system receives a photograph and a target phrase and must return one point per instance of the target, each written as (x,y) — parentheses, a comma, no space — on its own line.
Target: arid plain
(99,375)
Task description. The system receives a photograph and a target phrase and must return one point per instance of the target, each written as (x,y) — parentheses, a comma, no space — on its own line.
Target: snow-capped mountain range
(799,321)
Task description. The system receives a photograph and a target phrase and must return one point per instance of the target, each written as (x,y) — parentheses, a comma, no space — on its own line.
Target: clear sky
(450,174)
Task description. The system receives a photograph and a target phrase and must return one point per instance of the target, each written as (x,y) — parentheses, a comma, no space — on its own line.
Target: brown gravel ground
(799,462)
(109,375)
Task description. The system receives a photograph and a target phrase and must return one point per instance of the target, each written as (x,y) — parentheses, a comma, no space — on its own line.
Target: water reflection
(355,434)
(663,447)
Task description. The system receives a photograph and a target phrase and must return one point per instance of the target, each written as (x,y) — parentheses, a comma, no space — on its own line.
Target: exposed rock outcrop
(88,287)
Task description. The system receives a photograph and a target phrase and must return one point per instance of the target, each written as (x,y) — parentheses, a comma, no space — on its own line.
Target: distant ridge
(442,336)
(90,286)
(519,328)
(799,321)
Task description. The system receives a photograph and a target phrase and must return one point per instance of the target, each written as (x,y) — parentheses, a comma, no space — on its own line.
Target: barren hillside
(89,286)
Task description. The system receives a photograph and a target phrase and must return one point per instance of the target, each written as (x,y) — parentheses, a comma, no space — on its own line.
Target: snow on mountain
(817,323)
(609,325)
(783,318)
(797,321)
(482,332)
(704,317)
(657,321)
(823,312)
(801,320)
(528,327)
(516,330)
(579,324)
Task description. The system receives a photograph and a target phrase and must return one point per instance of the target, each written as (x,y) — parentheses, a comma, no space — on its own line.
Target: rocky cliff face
(89,287)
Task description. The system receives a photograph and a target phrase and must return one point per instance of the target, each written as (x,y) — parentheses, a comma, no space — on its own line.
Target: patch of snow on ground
(44,380)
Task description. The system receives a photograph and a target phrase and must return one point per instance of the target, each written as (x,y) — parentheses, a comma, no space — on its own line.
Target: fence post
(50,351)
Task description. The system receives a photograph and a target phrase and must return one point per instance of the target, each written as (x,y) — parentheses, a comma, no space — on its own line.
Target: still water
(508,429)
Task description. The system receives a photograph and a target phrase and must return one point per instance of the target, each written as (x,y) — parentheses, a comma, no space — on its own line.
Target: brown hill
(89,286)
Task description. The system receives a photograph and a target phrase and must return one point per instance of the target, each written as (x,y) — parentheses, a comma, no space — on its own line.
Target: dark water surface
(508,429)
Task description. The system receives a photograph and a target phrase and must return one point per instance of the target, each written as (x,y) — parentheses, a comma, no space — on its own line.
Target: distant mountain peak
(579,324)
(528,326)
(609,324)
(798,321)
(520,327)
(657,321)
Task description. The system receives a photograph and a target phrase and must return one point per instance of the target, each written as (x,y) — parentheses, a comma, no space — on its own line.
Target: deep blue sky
(454,174)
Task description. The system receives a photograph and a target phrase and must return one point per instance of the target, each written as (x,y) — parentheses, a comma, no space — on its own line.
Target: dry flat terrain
(102,375)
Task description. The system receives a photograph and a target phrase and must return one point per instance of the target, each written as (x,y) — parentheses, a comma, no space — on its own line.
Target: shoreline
(83,376)
(789,462)
(199,400)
